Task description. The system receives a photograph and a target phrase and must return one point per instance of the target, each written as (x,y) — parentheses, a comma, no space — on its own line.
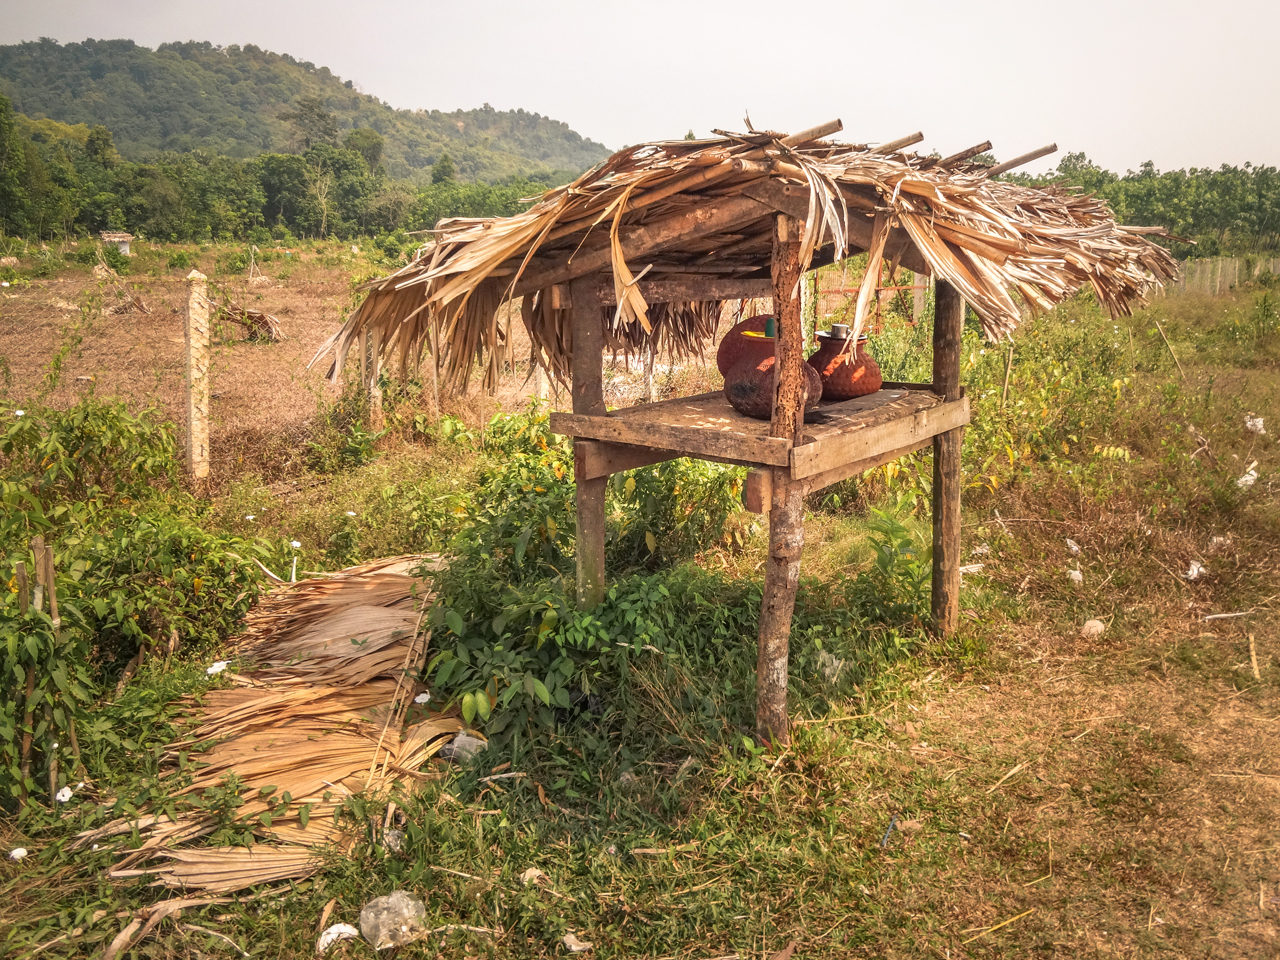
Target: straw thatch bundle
(325,711)
(705,208)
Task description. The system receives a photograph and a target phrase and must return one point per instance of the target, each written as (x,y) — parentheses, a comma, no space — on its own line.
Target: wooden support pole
(948,326)
(786,513)
(588,399)
(197,339)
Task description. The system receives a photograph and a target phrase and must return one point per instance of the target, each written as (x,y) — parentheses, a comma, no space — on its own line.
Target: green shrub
(93,449)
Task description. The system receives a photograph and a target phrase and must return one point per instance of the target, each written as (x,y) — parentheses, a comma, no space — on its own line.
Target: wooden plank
(689,441)
(854,441)
(948,328)
(820,481)
(710,288)
(587,371)
(603,459)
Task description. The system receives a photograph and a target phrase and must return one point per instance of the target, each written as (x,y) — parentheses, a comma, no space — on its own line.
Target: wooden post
(197,377)
(917,298)
(786,512)
(376,418)
(588,398)
(948,326)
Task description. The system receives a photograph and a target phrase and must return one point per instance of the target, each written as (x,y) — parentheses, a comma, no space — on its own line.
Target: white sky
(1180,82)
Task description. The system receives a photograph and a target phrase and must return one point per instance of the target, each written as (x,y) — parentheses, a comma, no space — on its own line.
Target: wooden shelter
(646,247)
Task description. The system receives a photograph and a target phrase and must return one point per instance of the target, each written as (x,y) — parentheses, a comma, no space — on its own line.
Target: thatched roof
(705,208)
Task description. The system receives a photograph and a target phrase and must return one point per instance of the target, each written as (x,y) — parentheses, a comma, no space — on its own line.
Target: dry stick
(1253,658)
(1008,369)
(1171,353)
(1005,923)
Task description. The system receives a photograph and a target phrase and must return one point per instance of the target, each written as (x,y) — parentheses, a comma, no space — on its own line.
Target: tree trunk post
(786,510)
(588,398)
(948,326)
(197,376)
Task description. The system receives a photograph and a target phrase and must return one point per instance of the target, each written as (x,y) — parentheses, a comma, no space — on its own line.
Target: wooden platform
(837,435)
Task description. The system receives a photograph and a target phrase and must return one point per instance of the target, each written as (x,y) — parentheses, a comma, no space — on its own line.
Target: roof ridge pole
(786,511)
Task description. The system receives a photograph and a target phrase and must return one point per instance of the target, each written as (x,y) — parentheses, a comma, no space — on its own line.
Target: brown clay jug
(845,368)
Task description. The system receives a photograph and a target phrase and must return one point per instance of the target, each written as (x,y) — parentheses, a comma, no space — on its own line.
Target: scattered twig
(893,820)
(996,786)
(1253,658)
(514,775)
(1225,616)
(213,933)
(1004,923)
(462,926)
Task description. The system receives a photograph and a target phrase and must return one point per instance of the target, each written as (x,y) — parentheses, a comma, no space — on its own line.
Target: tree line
(60,180)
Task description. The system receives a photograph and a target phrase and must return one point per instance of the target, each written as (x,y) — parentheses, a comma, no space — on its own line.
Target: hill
(233,101)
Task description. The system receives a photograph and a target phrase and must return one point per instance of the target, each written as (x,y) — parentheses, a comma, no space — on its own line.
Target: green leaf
(468,707)
(483,706)
(541,690)
(454,621)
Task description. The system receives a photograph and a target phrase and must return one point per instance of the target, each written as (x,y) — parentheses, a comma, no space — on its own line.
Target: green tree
(13,171)
(368,143)
(313,122)
(443,170)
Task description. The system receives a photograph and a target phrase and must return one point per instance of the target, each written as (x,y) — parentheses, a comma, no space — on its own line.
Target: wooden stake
(377,420)
(948,326)
(1171,353)
(197,339)
(786,514)
(588,398)
(1008,369)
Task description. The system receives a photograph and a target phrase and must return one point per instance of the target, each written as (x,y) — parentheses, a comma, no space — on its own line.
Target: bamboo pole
(786,513)
(197,341)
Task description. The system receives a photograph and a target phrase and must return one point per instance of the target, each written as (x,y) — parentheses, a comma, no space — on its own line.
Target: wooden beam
(718,216)
(603,459)
(832,450)
(793,200)
(588,400)
(909,140)
(814,133)
(758,487)
(709,444)
(703,288)
(786,514)
(1025,158)
(948,327)
(965,154)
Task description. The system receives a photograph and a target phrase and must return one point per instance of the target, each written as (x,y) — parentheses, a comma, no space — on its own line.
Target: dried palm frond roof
(705,209)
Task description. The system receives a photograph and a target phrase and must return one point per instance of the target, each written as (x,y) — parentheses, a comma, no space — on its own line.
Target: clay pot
(748,386)
(737,342)
(846,371)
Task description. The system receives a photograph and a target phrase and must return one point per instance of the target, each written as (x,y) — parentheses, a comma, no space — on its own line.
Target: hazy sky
(1181,82)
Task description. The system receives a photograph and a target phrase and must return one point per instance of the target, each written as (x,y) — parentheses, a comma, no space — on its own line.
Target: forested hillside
(243,101)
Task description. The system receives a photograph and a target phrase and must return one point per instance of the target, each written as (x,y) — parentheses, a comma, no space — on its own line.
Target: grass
(1050,794)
